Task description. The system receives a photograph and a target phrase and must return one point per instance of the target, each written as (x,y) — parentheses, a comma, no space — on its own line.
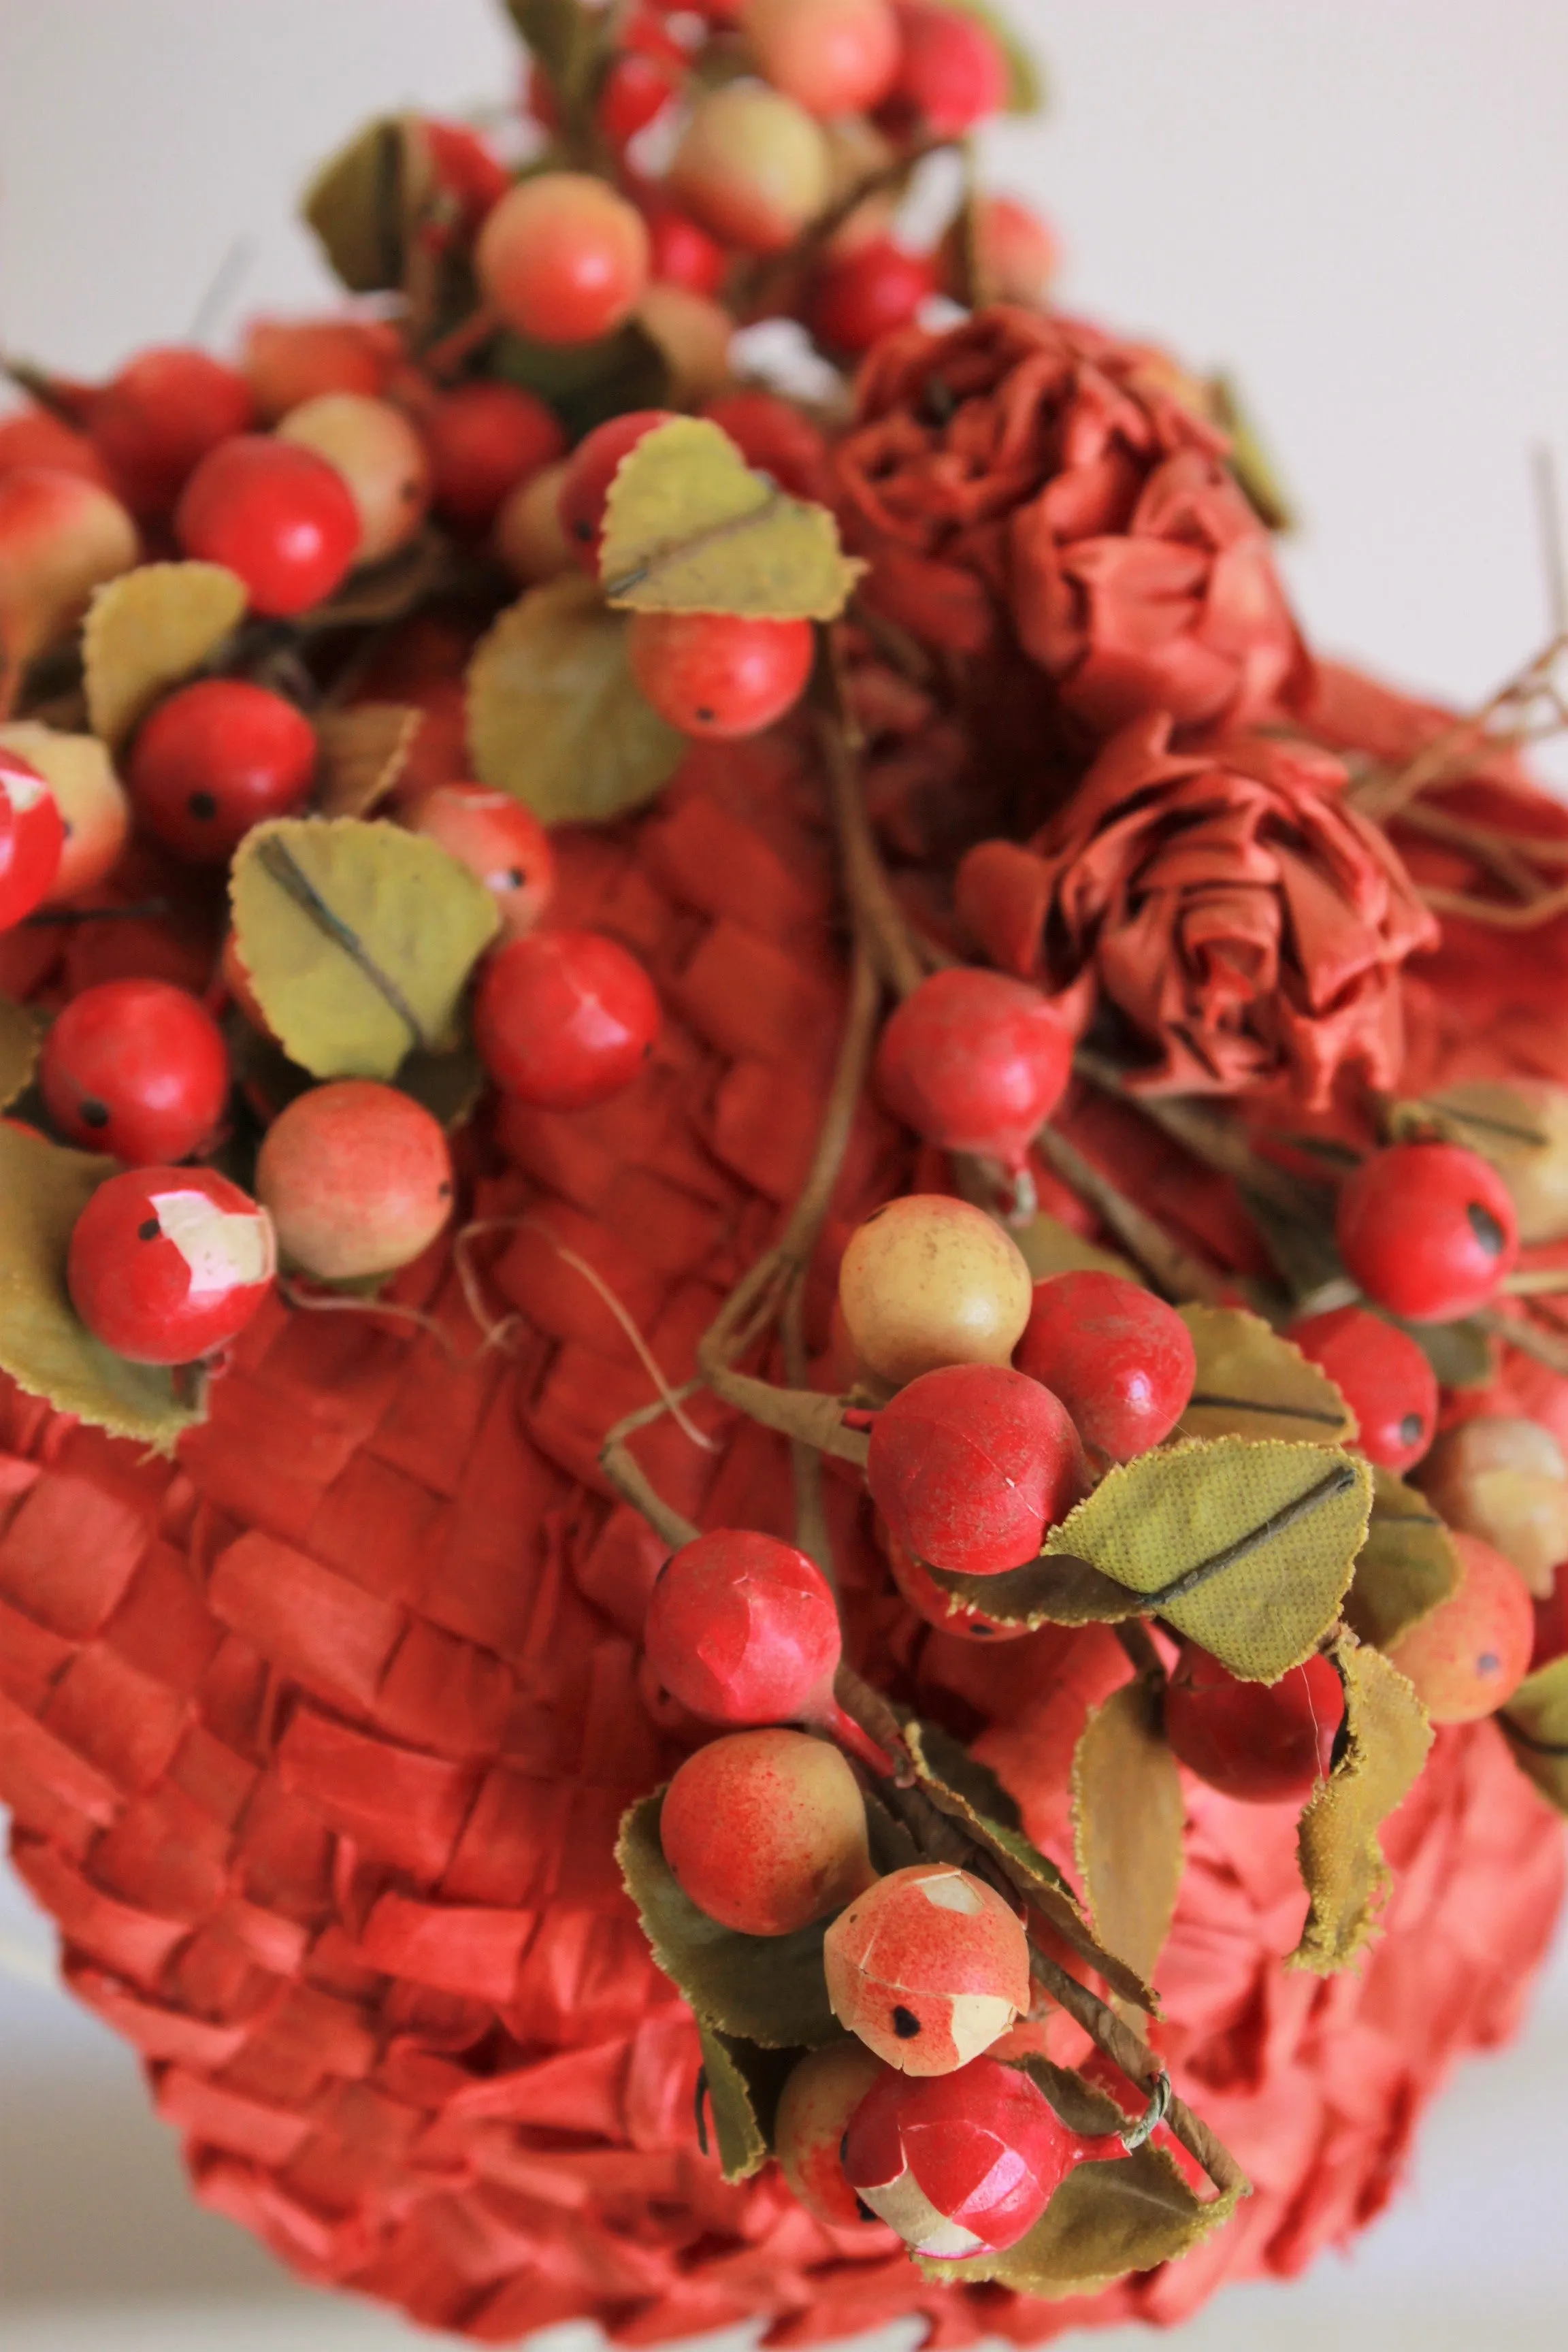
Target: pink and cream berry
(929,1967)
(765,1831)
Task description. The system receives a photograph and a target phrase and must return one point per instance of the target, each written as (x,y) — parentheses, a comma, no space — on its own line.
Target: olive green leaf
(148,631)
(1247,1546)
(586,383)
(566,41)
(554,716)
(385,592)
(1463,1355)
(1049,1590)
(20,1037)
(1521,1130)
(449,1085)
(769,1989)
(1250,461)
(741,2082)
(358,939)
(1252,1383)
(363,201)
(1405,1567)
(974,1800)
(690,528)
(1126,2213)
(44,1345)
(1128,1822)
(1026,81)
(1386,1741)
(1536,1722)
(360,754)
(1050,1247)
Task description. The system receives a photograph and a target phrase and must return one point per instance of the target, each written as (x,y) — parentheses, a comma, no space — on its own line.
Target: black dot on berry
(704,712)
(443,1191)
(409,493)
(861,2207)
(583,530)
(94,1113)
(1486,1229)
(905,2024)
(515,877)
(148,1230)
(658,1572)
(202,805)
(1487,1662)
(68,828)
(1410,1429)
(983,1633)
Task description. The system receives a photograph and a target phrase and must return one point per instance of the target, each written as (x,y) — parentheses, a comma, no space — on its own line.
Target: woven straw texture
(316,1741)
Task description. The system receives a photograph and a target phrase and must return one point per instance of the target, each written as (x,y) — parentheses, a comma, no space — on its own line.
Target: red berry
(752,166)
(868,293)
(1429,1230)
(564,1019)
(1015,254)
(743,1628)
(1468,1657)
(563,257)
(287,361)
(974,1062)
(951,73)
(93,809)
(356,1177)
(467,170)
(928,1968)
(815,2108)
(925,1596)
(776,439)
(964,2163)
(216,759)
(136,1069)
(832,56)
(32,838)
(591,469)
(33,437)
(970,1465)
(483,440)
(61,538)
(1261,1742)
(281,518)
(160,416)
(1552,1624)
(1121,1361)
(720,673)
(496,838)
(679,253)
(167,1263)
(765,1831)
(1383,1376)
(635,92)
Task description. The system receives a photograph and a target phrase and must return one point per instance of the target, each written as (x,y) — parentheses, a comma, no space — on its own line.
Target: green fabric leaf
(1536,1722)
(769,1989)
(1251,1382)
(359,204)
(586,383)
(691,528)
(20,1037)
(1404,1569)
(148,632)
(554,715)
(742,2086)
(1388,1738)
(359,939)
(1129,1820)
(44,1345)
(360,754)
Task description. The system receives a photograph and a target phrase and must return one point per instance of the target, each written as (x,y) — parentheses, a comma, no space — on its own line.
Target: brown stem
(1494,916)
(1137,2063)
(879,917)
(1138,1646)
(810,1530)
(749,297)
(1176,1271)
(634,1486)
(802,1414)
(1527,1337)
(1382,794)
(1217,1141)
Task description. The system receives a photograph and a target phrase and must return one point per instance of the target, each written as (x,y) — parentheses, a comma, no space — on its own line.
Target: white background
(1358,204)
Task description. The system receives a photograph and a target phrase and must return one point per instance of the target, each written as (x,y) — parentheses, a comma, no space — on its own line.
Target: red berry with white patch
(1265,1743)
(380,457)
(962,2164)
(970,1465)
(564,1019)
(1429,1230)
(165,1264)
(765,1831)
(216,759)
(720,673)
(1383,1377)
(928,1968)
(136,1069)
(32,839)
(1121,1361)
(496,839)
(974,1062)
(282,518)
(357,1179)
(61,537)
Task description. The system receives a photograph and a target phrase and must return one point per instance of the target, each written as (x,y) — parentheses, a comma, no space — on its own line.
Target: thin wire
(1553,553)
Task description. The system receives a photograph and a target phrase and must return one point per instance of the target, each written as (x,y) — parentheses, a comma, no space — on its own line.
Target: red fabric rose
(1035,471)
(1248,925)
